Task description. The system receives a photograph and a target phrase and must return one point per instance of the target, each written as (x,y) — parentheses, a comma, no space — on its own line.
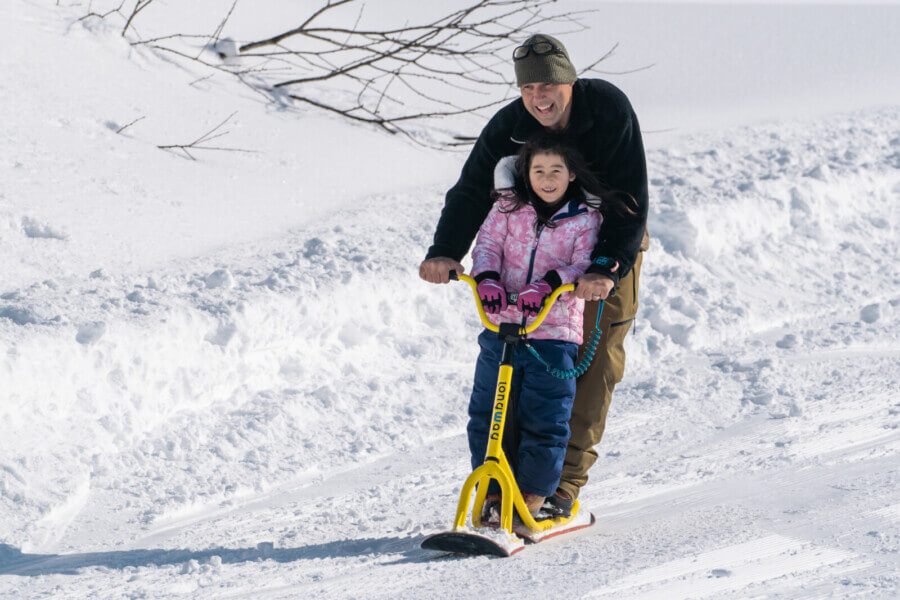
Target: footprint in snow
(222,335)
(220,278)
(90,332)
(19,315)
(870,313)
(787,342)
(820,172)
(37,230)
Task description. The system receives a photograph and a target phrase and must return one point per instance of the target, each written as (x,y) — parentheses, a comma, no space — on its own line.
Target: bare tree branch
(103,15)
(283,36)
(203,139)
(390,77)
(138,7)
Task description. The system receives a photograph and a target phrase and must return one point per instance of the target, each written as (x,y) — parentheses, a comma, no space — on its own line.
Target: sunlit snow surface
(224,379)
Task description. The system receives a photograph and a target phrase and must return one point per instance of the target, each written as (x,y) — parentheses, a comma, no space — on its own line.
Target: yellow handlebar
(548,304)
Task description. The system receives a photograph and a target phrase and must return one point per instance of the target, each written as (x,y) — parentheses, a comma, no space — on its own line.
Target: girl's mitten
(531,298)
(493,296)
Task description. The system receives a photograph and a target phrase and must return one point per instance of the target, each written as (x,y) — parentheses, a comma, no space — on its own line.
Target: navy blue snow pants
(543,408)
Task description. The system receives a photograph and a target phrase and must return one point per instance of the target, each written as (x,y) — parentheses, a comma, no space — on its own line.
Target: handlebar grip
(453,275)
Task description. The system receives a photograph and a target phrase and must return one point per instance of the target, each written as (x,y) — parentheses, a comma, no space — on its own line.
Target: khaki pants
(593,392)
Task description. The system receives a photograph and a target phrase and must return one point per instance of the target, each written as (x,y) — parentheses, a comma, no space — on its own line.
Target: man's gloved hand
(531,298)
(493,296)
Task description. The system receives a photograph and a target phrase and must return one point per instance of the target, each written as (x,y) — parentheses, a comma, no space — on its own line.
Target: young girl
(537,237)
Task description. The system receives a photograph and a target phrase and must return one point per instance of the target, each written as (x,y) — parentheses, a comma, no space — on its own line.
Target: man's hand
(437,269)
(593,286)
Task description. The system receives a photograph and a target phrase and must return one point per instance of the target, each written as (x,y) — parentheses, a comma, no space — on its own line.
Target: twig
(628,72)
(138,7)
(283,36)
(214,38)
(206,137)
(103,15)
(199,80)
(124,127)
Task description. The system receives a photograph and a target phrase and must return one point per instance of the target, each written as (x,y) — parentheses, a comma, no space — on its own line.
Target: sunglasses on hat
(539,48)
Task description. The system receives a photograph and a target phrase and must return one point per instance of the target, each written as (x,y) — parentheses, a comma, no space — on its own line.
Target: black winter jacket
(605,130)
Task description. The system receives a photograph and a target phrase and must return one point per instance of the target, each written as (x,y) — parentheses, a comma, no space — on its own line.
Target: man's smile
(549,103)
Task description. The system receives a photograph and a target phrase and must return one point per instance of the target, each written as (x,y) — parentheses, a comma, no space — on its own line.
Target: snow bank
(798,211)
(311,360)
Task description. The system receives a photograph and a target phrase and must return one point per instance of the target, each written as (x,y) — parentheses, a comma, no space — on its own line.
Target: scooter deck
(581,520)
(492,542)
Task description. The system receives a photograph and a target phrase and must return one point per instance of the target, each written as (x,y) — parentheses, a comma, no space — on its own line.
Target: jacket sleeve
(620,236)
(581,252)
(468,202)
(487,256)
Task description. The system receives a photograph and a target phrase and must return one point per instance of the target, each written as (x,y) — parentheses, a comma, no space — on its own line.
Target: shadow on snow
(14,562)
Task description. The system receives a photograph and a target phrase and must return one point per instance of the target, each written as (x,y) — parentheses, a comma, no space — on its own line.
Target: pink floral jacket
(509,244)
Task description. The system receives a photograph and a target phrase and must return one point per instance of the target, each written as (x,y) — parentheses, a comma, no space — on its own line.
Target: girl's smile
(549,177)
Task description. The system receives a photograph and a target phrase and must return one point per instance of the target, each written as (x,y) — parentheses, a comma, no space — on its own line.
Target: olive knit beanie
(544,68)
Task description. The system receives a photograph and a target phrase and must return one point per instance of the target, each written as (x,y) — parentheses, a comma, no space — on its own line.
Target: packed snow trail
(286,419)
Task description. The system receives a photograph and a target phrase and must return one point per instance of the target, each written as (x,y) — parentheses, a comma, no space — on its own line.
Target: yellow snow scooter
(508,539)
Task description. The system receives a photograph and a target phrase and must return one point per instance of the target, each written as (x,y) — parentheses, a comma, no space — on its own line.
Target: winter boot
(490,514)
(533,503)
(559,505)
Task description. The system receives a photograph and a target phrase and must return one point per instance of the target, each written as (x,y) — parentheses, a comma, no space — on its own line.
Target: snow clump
(220,278)
(90,332)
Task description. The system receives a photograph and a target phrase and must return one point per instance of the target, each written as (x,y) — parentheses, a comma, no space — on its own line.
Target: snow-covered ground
(224,379)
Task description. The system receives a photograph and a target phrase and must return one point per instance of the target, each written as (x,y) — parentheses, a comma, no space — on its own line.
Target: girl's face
(549,177)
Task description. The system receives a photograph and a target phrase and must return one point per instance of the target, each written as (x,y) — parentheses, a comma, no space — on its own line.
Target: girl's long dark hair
(587,188)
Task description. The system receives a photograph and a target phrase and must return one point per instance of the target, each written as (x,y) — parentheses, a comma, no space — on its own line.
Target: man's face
(549,103)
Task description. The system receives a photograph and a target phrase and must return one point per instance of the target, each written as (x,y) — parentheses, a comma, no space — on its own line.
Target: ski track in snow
(286,419)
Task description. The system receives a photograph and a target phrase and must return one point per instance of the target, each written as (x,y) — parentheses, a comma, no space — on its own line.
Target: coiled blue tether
(586,357)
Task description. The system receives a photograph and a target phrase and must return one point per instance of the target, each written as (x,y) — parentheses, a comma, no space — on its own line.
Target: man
(597,118)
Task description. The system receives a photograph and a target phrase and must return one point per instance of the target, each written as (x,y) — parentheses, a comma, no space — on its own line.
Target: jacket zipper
(534,253)
(537,240)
